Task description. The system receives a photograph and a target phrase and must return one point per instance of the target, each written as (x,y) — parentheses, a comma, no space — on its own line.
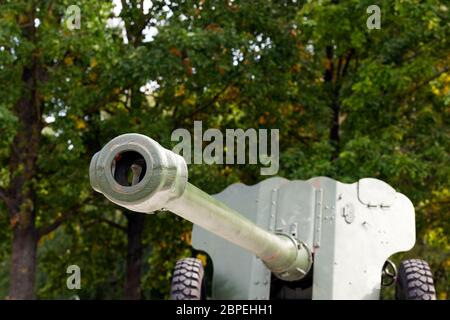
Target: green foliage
(241,64)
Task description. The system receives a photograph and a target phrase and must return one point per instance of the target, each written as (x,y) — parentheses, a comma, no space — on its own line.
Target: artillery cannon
(319,239)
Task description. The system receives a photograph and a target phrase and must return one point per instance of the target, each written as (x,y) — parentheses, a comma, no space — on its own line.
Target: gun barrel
(137,173)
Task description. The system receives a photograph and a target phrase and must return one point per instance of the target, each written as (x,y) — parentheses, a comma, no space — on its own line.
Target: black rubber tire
(415,281)
(188,280)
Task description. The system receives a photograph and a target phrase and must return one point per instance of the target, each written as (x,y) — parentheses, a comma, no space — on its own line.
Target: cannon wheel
(415,281)
(188,280)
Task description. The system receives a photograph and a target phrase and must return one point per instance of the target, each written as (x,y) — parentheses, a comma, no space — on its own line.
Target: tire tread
(187,280)
(415,281)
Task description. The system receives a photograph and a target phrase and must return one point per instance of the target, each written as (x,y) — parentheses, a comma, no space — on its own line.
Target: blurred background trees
(349,103)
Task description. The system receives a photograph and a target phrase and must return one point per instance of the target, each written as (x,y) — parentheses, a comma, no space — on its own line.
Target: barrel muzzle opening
(128,168)
(137,173)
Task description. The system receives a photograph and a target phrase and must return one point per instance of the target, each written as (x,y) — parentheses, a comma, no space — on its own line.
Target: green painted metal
(272,228)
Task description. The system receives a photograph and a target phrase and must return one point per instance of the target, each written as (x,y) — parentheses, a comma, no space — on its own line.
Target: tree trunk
(23,266)
(21,195)
(333,94)
(135,228)
(335,127)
